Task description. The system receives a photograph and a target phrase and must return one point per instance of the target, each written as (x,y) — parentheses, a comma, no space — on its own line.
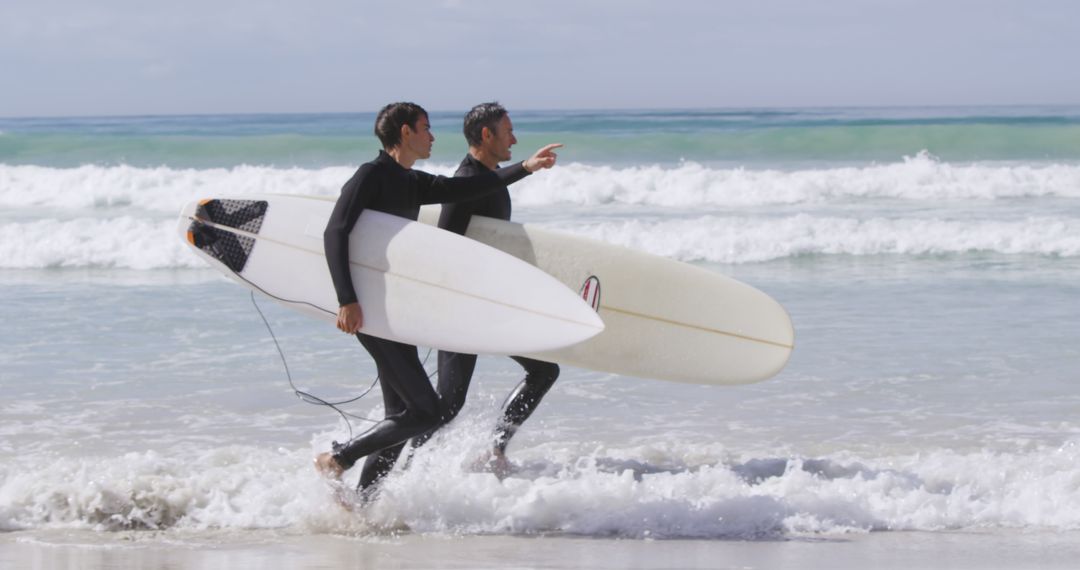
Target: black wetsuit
(412,406)
(456,370)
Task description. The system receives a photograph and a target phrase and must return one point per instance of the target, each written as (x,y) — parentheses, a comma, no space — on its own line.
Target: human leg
(379,464)
(402,374)
(455,374)
(523,400)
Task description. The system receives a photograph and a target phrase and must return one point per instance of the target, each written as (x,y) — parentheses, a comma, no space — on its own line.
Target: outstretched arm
(441,190)
(543,158)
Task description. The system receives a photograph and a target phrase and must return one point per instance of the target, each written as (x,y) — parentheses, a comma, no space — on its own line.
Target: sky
(134,57)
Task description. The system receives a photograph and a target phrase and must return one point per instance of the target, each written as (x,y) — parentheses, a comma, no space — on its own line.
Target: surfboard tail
(229,248)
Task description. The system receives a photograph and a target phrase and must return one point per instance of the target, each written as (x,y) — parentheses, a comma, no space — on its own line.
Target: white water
(121,217)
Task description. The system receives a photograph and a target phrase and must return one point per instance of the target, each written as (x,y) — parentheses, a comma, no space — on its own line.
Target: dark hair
(394,116)
(483,115)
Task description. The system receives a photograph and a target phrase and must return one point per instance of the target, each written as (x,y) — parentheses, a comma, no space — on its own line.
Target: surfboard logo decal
(590,292)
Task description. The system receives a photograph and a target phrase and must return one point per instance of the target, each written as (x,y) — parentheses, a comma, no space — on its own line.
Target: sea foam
(919,178)
(124,217)
(127,242)
(737,239)
(587,492)
(123,242)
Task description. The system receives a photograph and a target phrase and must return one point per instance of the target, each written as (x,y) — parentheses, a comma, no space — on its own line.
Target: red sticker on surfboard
(590,291)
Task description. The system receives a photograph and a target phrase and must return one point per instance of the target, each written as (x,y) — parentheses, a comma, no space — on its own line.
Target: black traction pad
(231,249)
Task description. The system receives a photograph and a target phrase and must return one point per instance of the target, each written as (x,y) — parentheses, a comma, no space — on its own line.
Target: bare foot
(480,464)
(501,466)
(494,463)
(328,467)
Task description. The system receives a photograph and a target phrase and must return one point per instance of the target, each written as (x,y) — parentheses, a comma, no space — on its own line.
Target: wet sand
(280,549)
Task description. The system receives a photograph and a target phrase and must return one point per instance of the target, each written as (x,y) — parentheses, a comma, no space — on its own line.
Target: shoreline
(284,549)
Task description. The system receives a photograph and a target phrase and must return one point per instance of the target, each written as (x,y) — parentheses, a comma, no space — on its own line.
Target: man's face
(498,145)
(420,139)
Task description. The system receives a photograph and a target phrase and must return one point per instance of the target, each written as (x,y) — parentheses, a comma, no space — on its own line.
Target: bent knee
(543,373)
(421,419)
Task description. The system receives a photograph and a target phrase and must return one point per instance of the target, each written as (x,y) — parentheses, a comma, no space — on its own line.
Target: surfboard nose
(575,330)
(589,320)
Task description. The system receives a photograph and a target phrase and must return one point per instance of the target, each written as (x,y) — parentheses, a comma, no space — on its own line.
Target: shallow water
(931,392)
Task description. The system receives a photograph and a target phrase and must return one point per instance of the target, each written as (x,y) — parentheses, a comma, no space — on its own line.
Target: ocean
(929,259)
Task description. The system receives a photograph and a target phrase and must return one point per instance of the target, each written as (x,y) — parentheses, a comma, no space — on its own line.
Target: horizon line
(559,110)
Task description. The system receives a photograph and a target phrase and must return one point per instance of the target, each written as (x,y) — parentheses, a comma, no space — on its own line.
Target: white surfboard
(664,319)
(416,284)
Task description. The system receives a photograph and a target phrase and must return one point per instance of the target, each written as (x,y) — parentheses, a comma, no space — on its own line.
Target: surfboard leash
(308,397)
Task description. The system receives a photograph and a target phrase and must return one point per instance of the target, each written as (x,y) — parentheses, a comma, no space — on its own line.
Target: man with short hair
(490,134)
(390,184)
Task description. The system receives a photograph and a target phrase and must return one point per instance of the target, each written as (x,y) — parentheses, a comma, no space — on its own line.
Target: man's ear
(486,133)
(406,131)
